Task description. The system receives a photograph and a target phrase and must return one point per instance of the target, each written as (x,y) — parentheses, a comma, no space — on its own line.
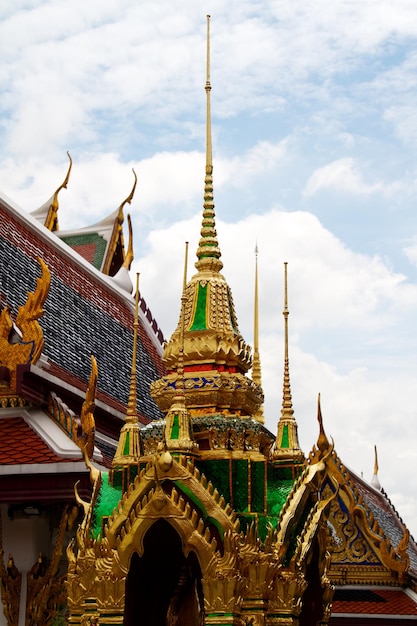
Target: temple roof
(372,601)
(85,313)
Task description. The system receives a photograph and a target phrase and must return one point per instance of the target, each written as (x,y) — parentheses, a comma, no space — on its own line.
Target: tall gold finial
(130,446)
(131,415)
(209,151)
(178,429)
(184,284)
(256,366)
(286,399)
(208,253)
(51,221)
(286,444)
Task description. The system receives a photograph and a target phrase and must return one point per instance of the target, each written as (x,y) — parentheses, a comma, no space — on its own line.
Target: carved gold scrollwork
(28,347)
(10,583)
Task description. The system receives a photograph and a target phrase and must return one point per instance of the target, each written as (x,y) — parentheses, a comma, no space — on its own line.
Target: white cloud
(342,175)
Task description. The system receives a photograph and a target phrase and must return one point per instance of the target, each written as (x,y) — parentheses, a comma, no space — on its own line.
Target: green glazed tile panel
(87,240)
(200,315)
(107,500)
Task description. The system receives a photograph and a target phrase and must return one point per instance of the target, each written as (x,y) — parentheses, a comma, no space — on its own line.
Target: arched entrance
(312,611)
(163,587)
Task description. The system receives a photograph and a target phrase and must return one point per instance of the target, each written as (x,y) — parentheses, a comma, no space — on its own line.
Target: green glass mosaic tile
(285,440)
(108,498)
(200,320)
(257,486)
(218,473)
(175,430)
(126,447)
(89,239)
(240,485)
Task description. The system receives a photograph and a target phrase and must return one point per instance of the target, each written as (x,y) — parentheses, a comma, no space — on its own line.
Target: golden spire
(130,446)
(178,429)
(51,220)
(256,367)
(208,252)
(206,344)
(286,444)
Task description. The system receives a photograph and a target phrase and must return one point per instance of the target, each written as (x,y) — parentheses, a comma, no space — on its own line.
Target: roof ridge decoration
(51,206)
(287,447)
(375,480)
(26,345)
(117,238)
(212,341)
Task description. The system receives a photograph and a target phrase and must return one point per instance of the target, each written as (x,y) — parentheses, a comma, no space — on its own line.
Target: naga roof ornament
(211,341)
(24,345)
(49,211)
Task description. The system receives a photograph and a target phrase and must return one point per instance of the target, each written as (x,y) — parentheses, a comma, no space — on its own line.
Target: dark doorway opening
(163,588)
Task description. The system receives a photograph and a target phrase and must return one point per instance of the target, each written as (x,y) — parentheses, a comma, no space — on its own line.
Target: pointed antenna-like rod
(208,253)
(184,283)
(287,409)
(209,150)
(180,366)
(256,364)
(131,413)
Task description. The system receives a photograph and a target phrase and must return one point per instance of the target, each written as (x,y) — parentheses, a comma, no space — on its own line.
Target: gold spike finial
(256,366)
(51,221)
(178,429)
(208,253)
(287,409)
(184,284)
(209,150)
(130,446)
(131,415)
(287,446)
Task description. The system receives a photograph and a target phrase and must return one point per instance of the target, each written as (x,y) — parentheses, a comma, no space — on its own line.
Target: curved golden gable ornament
(29,345)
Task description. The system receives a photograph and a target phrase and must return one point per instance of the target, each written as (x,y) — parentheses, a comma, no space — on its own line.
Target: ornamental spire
(256,366)
(208,252)
(286,445)
(130,446)
(178,430)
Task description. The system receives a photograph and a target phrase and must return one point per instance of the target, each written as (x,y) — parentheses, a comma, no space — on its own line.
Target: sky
(314,124)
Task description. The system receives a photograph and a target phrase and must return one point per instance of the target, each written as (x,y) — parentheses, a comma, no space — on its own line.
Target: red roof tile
(373,602)
(19,444)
